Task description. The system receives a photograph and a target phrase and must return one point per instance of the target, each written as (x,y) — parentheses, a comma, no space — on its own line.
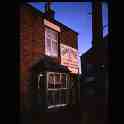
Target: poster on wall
(69,58)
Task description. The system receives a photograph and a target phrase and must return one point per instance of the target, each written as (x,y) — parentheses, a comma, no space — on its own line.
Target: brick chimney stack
(97,27)
(49,13)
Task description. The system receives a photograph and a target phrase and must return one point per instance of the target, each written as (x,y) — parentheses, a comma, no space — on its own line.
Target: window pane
(52,34)
(51,42)
(55,48)
(51,98)
(63,97)
(51,81)
(63,80)
(57,97)
(57,81)
(48,46)
(48,31)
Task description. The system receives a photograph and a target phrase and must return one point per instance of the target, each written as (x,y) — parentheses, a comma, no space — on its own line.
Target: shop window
(51,98)
(57,89)
(51,81)
(64,80)
(57,80)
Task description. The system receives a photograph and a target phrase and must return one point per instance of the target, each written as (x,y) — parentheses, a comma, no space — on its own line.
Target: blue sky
(76,16)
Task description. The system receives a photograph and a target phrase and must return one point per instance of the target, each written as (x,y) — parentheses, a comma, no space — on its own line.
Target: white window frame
(57,89)
(67,85)
(51,53)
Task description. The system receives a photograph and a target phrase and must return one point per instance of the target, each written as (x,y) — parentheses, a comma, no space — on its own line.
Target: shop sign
(69,58)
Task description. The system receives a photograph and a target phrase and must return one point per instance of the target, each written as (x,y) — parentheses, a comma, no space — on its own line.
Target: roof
(39,13)
(47,63)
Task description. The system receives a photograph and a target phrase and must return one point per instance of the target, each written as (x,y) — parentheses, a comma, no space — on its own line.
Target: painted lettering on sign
(69,58)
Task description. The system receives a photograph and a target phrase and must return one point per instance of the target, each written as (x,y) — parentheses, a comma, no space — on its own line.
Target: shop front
(51,85)
(58,89)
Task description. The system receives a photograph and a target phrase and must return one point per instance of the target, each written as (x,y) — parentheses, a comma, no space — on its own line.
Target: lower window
(57,84)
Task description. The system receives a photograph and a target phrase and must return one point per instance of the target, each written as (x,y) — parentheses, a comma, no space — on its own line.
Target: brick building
(94,66)
(46,46)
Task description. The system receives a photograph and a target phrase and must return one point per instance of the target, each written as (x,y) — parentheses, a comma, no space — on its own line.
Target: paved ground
(62,116)
(87,113)
(68,116)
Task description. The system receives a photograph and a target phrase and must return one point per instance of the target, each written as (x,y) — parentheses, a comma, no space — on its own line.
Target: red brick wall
(68,37)
(38,43)
(26,25)
(31,47)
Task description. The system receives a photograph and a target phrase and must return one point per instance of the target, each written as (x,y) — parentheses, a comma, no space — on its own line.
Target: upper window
(51,42)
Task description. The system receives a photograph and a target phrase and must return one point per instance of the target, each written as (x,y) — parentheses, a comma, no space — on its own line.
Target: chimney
(49,13)
(97,27)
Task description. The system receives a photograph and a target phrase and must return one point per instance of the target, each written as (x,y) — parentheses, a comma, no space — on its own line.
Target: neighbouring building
(94,66)
(48,61)
(93,59)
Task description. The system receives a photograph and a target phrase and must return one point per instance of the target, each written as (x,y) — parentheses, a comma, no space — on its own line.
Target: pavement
(88,112)
(58,116)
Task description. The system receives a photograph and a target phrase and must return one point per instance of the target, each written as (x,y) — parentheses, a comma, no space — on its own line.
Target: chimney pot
(49,13)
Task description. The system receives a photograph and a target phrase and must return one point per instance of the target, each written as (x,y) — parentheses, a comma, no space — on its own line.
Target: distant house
(96,59)
(93,59)
(48,60)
